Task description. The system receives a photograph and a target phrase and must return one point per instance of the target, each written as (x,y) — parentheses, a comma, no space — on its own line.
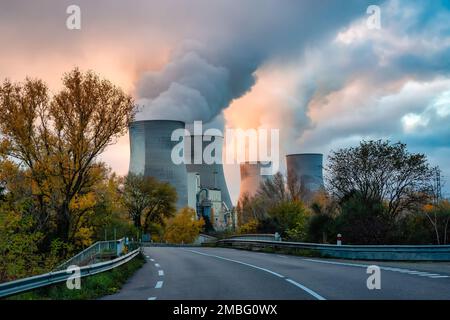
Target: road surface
(187,273)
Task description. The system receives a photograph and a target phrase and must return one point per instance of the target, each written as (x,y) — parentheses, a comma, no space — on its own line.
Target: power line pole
(437,184)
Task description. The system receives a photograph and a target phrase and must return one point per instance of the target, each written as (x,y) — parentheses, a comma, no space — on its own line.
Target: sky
(313,69)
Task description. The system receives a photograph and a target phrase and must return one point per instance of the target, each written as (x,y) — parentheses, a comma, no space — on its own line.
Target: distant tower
(308,168)
(151,148)
(251,177)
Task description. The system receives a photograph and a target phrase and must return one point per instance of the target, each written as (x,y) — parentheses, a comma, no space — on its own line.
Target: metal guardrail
(254,236)
(88,255)
(42,280)
(163,244)
(356,252)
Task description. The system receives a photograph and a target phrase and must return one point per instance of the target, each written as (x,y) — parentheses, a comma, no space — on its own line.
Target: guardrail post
(339,239)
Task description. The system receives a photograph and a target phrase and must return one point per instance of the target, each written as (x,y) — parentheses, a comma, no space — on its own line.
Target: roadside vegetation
(92,287)
(376,193)
(56,196)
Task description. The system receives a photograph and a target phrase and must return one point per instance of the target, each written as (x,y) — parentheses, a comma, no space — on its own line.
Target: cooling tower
(151,147)
(211,175)
(251,177)
(308,168)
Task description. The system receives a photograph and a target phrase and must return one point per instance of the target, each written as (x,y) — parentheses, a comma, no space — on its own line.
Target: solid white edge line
(306,289)
(393,269)
(160,272)
(159,285)
(313,293)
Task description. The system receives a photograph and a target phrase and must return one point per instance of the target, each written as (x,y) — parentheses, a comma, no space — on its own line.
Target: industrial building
(211,192)
(199,186)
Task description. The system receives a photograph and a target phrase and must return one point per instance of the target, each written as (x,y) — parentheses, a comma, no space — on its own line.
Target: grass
(92,287)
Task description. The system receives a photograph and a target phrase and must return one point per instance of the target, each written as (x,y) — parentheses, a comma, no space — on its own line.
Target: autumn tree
(148,200)
(249,209)
(183,228)
(273,190)
(56,140)
(380,172)
(438,215)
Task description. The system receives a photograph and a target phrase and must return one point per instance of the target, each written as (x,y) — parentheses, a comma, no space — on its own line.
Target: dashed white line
(152,260)
(307,290)
(160,272)
(157,265)
(151,298)
(159,285)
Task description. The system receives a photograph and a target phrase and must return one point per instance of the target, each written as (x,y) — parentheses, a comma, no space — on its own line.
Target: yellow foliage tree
(249,227)
(57,140)
(183,228)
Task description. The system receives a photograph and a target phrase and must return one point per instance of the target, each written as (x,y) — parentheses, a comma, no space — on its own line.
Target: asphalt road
(219,273)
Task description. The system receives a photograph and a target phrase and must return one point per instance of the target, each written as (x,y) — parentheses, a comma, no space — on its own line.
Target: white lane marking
(160,272)
(147,257)
(428,274)
(152,259)
(151,298)
(306,289)
(314,294)
(411,272)
(157,265)
(339,263)
(159,284)
(279,255)
(240,262)
(415,272)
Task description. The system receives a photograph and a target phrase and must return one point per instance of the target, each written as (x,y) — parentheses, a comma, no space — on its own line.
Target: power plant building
(200,186)
(211,175)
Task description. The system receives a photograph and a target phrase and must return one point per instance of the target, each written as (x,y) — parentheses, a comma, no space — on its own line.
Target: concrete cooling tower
(211,175)
(308,167)
(251,177)
(151,147)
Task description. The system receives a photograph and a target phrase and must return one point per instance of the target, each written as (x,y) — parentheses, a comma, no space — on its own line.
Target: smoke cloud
(203,76)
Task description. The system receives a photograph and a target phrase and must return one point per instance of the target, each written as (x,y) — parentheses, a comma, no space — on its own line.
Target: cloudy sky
(313,69)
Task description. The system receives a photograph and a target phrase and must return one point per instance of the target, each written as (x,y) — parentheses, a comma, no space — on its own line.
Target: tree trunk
(63,223)
(137,221)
